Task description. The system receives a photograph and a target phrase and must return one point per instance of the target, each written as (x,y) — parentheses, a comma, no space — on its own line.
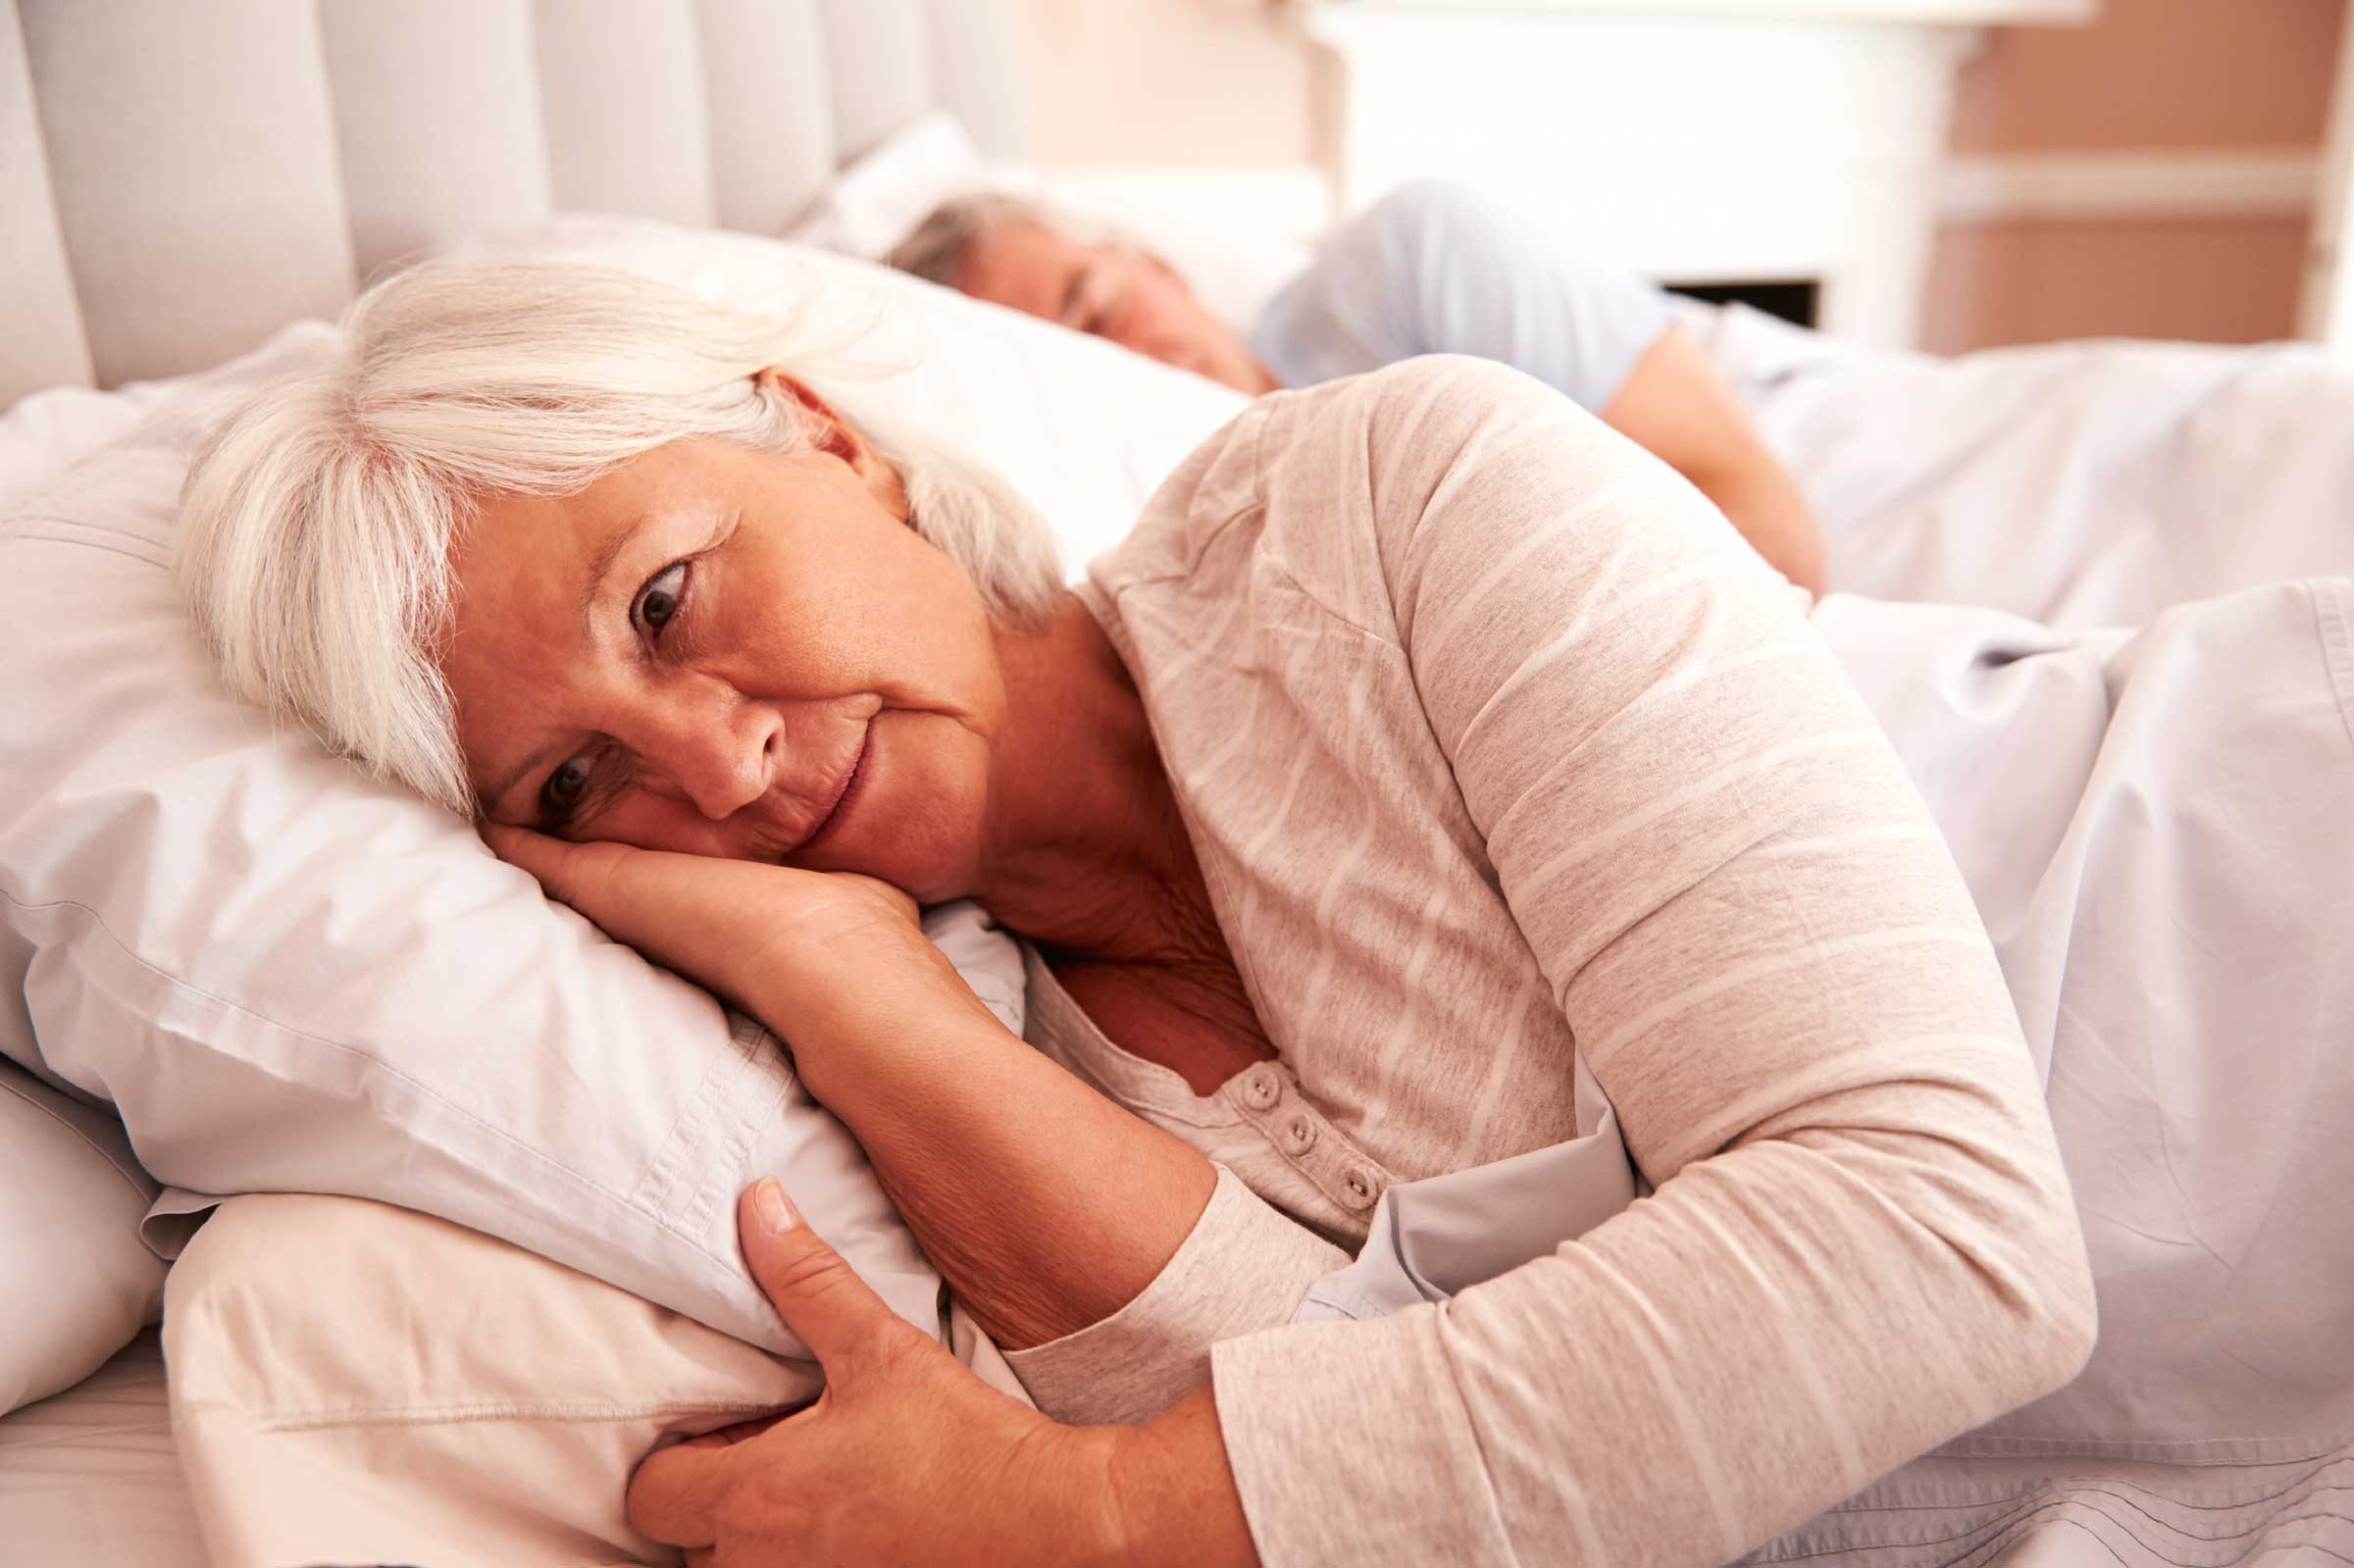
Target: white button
(1263,1088)
(1360,1189)
(1300,1134)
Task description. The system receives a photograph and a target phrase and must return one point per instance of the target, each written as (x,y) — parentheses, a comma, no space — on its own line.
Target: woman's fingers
(676,1493)
(535,852)
(571,874)
(820,1298)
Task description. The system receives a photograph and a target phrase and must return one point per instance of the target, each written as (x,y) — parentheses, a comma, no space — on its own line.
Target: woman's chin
(912,814)
(926,871)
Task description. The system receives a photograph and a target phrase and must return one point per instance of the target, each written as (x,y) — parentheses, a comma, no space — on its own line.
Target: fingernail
(768,1202)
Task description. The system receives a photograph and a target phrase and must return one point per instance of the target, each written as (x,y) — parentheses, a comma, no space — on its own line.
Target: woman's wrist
(1173,1499)
(842,1030)
(857,1060)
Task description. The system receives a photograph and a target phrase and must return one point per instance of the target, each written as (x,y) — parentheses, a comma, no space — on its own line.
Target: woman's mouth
(851,784)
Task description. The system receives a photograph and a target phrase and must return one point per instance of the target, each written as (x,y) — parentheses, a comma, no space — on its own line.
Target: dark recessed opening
(1791,300)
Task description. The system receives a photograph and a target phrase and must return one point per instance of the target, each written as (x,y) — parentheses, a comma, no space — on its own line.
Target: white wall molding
(2190,182)
(1898,13)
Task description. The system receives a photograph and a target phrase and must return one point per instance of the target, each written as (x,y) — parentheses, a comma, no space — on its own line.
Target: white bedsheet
(89,1479)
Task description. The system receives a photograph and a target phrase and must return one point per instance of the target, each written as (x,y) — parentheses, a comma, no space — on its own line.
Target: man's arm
(1674,404)
(1436,268)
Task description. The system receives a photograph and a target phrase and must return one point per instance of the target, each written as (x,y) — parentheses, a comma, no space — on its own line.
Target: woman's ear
(828,433)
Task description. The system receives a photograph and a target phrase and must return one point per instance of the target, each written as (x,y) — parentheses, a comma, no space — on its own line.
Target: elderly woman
(1431,777)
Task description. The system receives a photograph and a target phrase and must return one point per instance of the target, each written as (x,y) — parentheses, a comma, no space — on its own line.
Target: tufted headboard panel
(180,178)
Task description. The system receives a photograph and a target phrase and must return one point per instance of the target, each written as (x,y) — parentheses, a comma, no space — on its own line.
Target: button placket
(1263,1087)
(1295,1130)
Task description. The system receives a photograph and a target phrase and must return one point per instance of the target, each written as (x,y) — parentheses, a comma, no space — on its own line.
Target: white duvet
(2079,484)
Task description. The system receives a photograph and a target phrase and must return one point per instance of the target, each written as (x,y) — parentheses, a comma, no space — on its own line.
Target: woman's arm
(1047,1207)
(1863,1241)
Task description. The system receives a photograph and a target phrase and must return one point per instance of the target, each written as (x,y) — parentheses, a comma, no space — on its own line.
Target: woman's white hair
(317,526)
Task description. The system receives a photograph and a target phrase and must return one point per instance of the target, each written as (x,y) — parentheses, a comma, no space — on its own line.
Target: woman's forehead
(543,544)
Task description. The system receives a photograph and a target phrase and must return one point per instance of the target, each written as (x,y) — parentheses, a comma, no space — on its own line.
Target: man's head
(1016,253)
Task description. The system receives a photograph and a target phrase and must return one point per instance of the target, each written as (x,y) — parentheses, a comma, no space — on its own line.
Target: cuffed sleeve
(1243,1267)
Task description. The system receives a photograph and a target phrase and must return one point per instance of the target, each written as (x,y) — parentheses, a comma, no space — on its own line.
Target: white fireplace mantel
(1693,141)
(1909,13)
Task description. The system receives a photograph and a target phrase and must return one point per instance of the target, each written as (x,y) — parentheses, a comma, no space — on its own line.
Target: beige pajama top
(1499,749)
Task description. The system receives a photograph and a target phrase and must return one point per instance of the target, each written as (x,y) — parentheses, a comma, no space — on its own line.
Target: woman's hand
(905,1457)
(817,956)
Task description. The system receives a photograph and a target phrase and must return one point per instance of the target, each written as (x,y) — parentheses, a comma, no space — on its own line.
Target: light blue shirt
(1437,269)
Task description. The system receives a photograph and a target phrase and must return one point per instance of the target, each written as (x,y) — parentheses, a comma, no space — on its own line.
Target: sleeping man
(1431,268)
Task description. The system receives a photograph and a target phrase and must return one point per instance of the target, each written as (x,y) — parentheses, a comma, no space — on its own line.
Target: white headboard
(180,178)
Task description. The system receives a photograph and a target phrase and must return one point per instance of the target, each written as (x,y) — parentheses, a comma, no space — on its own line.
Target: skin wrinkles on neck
(1084,847)
(1086,853)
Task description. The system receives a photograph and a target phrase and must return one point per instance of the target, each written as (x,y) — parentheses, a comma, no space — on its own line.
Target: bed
(281,157)
(91,1475)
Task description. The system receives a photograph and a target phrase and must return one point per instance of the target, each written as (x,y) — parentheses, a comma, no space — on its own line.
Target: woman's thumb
(820,1298)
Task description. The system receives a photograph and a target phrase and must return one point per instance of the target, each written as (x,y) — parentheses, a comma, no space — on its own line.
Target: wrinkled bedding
(90,1476)
(2079,484)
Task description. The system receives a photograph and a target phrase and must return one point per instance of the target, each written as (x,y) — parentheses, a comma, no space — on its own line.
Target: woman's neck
(1083,849)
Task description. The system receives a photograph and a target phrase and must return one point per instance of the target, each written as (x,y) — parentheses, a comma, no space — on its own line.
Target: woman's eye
(561,795)
(658,601)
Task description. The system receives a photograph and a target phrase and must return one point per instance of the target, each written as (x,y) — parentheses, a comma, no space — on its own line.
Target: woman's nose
(723,777)
(717,755)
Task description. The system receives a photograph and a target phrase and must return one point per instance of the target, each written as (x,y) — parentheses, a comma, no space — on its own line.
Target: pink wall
(1232,81)
(2220,281)
(2155,73)
(2149,76)
(1161,82)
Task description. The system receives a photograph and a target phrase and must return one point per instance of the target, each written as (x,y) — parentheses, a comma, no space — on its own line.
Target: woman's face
(735,653)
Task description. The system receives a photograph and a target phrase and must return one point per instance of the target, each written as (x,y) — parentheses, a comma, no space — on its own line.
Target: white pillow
(1083,428)
(423,1394)
(75,1282)
(290,979)
(1236,234)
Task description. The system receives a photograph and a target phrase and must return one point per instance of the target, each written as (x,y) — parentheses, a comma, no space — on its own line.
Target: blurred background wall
(2149,174)
(1226,83)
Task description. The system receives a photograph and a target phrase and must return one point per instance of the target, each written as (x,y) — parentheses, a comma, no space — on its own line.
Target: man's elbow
(1800,558)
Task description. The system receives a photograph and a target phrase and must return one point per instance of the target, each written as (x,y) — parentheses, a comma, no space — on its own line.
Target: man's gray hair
(318,524)
(935,248)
